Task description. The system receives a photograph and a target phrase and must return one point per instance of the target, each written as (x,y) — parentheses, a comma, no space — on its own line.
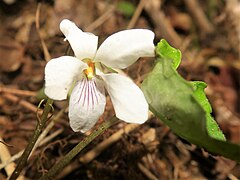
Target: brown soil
(207,34)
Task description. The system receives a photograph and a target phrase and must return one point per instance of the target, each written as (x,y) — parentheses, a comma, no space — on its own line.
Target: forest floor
(206,32)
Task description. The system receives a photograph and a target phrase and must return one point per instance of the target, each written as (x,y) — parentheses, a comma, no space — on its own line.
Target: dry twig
(199,16)
(232,21)
(163,26)
(98,149)
(101,19)
(42,138)
(136,14)
(21,102)
(17,91)
(44,46)
(146,172)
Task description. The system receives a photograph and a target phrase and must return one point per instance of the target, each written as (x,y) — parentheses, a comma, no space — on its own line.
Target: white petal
(87,104)
(128,100)
(60,74)
(122,49)
(83,44)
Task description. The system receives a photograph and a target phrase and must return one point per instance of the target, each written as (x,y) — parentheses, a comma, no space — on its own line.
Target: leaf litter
(151,150)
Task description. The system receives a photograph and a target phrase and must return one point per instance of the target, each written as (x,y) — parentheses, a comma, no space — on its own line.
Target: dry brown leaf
(11,55)
(180,20)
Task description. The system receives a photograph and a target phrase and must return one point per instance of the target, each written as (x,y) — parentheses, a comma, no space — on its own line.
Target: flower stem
(77,149)
(41,124)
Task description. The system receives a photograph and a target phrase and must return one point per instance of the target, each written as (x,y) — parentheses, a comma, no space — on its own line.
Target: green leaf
(183,106)
(126,8)
(164,50)
(199,94)
(212,127)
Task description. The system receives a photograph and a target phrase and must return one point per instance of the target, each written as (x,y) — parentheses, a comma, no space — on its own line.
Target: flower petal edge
(60,74)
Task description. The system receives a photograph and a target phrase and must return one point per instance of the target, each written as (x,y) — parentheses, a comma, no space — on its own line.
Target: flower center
(90,71)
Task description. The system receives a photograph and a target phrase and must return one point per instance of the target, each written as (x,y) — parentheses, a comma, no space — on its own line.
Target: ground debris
(148,151)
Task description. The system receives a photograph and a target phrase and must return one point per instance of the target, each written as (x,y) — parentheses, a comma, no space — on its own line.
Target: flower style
(88,100)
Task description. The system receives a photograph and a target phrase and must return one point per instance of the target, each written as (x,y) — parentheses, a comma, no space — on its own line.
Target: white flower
(87,101)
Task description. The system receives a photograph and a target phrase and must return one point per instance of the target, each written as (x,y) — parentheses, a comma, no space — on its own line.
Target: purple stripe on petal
(87,103)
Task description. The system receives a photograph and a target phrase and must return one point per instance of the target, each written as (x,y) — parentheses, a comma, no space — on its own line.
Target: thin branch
(21,102)
(41,124)
(163,25)
(101,19)
(17,91)
(89,156)
(199,16)
(78,148)
(44,46)
(41,140)
(136,14)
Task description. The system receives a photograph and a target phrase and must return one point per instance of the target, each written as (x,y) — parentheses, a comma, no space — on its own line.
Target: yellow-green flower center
(90,71)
